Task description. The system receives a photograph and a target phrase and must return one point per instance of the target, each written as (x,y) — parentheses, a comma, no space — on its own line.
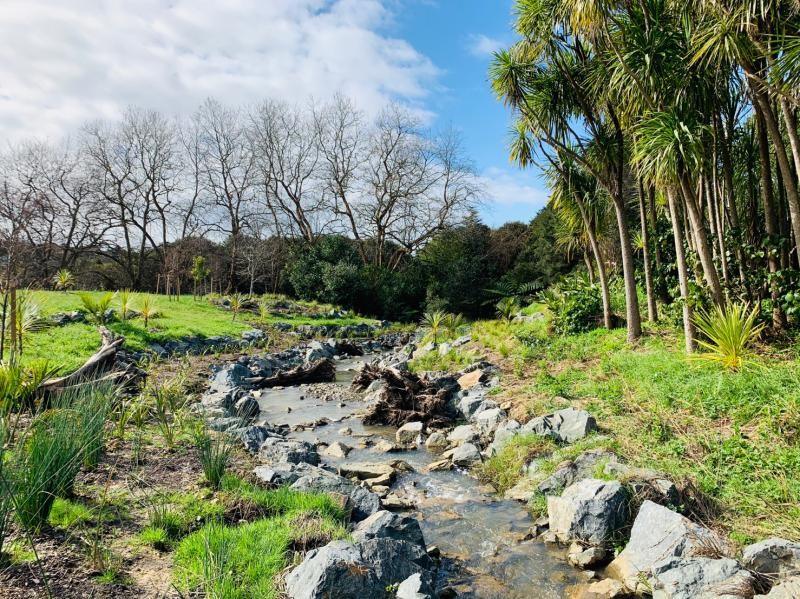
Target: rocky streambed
(422,527)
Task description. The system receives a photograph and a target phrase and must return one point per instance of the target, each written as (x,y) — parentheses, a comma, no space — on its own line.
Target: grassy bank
(736,435)
(68,346)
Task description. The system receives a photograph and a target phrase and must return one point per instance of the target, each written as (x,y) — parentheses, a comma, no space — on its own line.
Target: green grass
(504,469)
(455,359)
(244,561)
(69,514)
(735,434)
(70,345)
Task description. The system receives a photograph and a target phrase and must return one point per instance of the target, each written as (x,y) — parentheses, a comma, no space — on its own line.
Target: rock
(603,589)
(774,557)
(504,432)
(254,335)
(385,524)
(229,376)
(465,433)
(523,491)
(471,401)
(585,557)
(645,482)
(409,432)
(488,420)
(436,440)
(384,446)
(444,349)
(366,470)
(659,533)
(335,570)
(288,450)
(393,560)
(466,455)
(414,587)
(590,510)
(583,466)
(346,431)
(362,501)
(392,501)
(337,450)
(788,589)
(469,380)
(438,466)
(700,578)
(254,436)
(565,426)
(463,340)
(247,408)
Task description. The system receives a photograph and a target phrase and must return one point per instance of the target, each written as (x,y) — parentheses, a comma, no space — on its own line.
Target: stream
(482,538)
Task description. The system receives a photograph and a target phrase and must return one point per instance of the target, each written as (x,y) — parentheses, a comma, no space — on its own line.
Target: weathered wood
(99,362)
(405,397)
(321,371)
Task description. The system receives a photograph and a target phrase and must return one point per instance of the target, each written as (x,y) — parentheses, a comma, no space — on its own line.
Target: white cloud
(511,195)
(482,45)
(65,61)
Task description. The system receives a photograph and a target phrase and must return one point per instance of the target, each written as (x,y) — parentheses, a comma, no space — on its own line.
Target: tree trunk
(652,308)
(628,271)
(601,268)
(683,273)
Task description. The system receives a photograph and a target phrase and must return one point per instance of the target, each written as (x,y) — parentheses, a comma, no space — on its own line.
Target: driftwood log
(321,371)
(404,398)
(98,363)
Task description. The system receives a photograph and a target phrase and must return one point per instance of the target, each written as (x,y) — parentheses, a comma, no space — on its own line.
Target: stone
(464,433)
(774,557)
(444,349)
(659,533)
(335,570)
(247,408)
(585,557)
(700,578)
(471,401)
(254,436)
(466,455)
(384,446)
(337,449)
(362,502)
(414,587)
(565,426)
(288,450)
(409,432)
(788,589)
(366,470)
(590,510)
(523,491)
(504,432)
(385,524)
(438,466)
(469,380)
(393,560)
(392,501)
(488,420)
(603,589)
(436,440)
(583,466)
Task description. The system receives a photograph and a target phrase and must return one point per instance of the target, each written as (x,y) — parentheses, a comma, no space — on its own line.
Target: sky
(68,61)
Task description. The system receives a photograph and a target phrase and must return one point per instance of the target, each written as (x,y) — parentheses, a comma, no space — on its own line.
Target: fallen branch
(102,360)
(321,371)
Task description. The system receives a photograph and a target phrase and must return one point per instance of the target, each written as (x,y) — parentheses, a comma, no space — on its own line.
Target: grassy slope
(736,435)
(69,346)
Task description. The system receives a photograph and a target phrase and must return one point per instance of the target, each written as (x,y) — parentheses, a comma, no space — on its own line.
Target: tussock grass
(504,469)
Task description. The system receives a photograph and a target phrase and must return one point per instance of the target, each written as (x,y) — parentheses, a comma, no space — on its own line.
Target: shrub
(214,454)
(576,305)
(63,280)
(125,298)
(432,322)
(507,308)
(729,332)
(96,308)
(147,309)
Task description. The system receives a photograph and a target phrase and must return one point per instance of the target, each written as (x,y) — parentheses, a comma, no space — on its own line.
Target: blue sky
(459,36)
(68,61)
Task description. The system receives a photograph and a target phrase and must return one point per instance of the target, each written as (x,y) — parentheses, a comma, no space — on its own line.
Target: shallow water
(481,537)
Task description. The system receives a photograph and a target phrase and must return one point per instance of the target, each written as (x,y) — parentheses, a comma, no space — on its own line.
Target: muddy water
(482,538)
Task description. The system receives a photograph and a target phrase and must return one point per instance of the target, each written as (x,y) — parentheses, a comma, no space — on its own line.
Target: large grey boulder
(253,437)
(788,589)
(701,578)
(590,510)
(776,558)
(362,502)
(436,440)
(394,560)
(471,401)
(247,408)
(657,534)
(276,449)
(566,473)
(335,570)
(385,524)
(504,432)
(466,455)
(565,426)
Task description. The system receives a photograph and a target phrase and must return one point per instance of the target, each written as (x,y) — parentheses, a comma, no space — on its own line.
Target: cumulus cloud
(63,62)
(481,45)
(511,195)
